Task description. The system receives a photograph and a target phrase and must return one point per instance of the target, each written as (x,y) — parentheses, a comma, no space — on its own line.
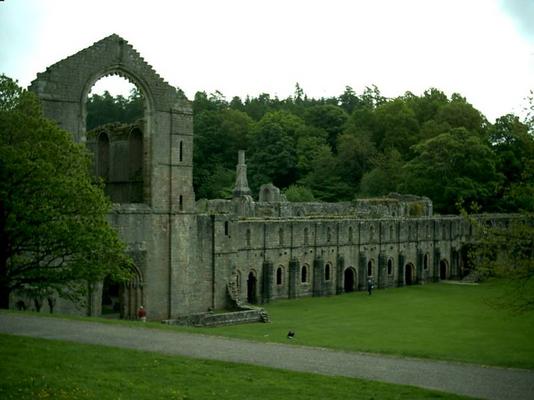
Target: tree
(103,109)
(355,153)
(458,113)
(514,148)
(54,236)
(452,167)
(328,117)
(386,175)
(506,251)
(324,181)
(274,156)
(298,193)
(396,127)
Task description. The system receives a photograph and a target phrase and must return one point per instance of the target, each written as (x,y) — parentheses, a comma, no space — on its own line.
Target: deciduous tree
(54,236)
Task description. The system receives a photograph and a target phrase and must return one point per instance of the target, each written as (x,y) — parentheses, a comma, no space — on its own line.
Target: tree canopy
(353,145)
(54,236)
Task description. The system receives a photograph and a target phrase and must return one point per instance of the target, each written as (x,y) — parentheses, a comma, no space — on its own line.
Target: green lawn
(42,369)
(441,321)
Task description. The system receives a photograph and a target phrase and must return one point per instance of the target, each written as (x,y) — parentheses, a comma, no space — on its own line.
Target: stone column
(241,183)
(381,275)
(293,278)
(267,282)
(437,258)
(419,266)
(340,268)
(400,275)
(362,272)
(318,277)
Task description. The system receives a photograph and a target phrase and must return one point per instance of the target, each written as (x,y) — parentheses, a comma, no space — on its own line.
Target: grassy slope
(441,321)
(41,369)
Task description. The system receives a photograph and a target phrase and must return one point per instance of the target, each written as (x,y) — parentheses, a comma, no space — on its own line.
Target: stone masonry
(192,257)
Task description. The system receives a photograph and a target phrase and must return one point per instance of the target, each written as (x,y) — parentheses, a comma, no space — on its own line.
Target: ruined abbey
(194,256)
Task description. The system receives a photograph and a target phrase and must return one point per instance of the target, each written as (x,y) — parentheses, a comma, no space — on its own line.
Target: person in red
(141,314)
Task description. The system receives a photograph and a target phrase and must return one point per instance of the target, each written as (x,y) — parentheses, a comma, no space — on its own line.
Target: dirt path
(465,379)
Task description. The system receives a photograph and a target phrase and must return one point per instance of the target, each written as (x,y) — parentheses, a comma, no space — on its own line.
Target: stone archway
(443,269)
(166,141)
(63,89)
(349,280)
(252,283)
(121,300)
(409,274)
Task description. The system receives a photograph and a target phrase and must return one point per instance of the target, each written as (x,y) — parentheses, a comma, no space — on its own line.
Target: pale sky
(482,49)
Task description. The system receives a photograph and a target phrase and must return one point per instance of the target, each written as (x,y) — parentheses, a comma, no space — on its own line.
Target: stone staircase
(233,292)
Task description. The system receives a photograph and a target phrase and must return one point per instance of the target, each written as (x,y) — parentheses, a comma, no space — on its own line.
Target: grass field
(42,369)
(441,321)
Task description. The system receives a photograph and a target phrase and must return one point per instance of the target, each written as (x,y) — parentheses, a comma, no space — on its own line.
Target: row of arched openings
(349,276)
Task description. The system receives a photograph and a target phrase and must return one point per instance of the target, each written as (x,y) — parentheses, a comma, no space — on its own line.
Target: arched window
(304,274)
(350,234)
(370,268)
(390,266)
(371,232)
(279,276)
(181,202)
(248,237)
(306,236)
(425,261)
(391,232)
(226,228)
(327,272)
(281,236)
(328,235)
(181,151)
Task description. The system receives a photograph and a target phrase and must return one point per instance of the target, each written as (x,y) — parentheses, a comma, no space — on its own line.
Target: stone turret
(241,183)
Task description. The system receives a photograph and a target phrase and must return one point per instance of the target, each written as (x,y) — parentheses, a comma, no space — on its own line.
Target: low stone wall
(220,319)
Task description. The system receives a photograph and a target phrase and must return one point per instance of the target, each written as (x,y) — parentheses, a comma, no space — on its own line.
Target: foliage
(274,158)
(506,251)
(454,166)
(514,149)
(363,143)
(323,180)
(297,193)
(103,109)
(386,175)
(53,227)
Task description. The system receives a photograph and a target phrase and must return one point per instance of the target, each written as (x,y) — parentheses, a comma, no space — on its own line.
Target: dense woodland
(356,145)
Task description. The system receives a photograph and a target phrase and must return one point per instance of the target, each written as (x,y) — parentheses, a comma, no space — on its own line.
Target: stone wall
(186,254)
(328,247)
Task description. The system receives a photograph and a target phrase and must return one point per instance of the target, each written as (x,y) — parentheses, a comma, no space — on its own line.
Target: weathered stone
(216,254)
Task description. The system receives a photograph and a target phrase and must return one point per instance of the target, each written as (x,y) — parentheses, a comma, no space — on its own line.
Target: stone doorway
(251,288)
(349,280)
(443,269)
(112,293)
(409,275)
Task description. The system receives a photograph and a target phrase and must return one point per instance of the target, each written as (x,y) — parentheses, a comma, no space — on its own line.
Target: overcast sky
(482,49)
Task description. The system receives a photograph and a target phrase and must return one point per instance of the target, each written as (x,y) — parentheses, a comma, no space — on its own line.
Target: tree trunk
(4,295)
(4,284)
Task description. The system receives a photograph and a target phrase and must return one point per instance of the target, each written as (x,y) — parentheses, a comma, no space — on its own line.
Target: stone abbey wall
(190,256)
(339,254)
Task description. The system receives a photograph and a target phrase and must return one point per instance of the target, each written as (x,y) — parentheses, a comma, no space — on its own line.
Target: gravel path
(465,379)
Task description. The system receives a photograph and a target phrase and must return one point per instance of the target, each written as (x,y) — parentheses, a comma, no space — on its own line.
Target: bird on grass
(290,335)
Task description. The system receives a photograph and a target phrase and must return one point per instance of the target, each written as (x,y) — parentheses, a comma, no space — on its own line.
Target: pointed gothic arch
(63,89)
